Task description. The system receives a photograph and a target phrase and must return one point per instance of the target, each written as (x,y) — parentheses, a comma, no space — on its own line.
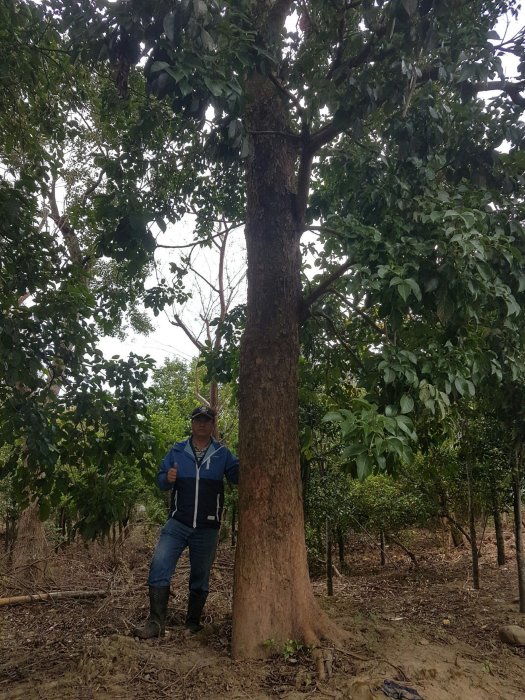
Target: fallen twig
(55,595)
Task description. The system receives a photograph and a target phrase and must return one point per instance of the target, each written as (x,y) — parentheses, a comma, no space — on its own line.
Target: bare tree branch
(193,338)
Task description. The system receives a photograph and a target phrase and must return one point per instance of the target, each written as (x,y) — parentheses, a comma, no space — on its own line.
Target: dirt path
(425,629)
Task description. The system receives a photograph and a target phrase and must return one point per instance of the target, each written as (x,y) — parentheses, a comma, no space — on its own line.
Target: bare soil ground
(423,628)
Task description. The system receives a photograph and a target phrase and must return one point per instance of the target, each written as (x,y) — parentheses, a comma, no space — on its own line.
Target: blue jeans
(173,540)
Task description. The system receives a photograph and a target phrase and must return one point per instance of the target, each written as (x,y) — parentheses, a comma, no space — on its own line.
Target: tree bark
(472,529)
(341,548)
(498,524)
(500,540)
(273,598)
(518,527)
(329,562)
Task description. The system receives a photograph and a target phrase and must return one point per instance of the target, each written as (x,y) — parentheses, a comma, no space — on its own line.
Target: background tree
(54,405)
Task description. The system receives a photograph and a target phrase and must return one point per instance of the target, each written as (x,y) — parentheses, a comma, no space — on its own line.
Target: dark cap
(203,411)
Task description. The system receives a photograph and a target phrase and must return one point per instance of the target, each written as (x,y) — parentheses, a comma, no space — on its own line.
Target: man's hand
(171,476)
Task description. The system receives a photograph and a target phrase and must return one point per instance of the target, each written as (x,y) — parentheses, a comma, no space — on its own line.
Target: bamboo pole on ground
(55,595)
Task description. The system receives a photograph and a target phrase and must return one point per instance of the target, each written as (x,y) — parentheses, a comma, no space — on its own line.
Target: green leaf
(363,464)
(407,404)
(354,450)
(158,66)
(414,286)
(215,88)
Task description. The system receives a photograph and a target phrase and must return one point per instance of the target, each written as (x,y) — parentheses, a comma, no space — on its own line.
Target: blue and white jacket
(198,491)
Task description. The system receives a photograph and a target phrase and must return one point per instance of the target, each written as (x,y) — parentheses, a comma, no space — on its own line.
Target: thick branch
(358,60)
(511,89)
(322,288)
(65,229)
(89,191)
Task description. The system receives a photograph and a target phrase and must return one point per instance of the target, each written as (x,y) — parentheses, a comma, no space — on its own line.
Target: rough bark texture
(273,599)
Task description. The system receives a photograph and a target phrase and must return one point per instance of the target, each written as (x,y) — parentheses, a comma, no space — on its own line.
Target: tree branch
(54,595)
(92,187)
(511,89)
(65,229)
(358,60)
(322,288)
(448,517)
(180,324)
(202,241)
(341,340)
(361,313)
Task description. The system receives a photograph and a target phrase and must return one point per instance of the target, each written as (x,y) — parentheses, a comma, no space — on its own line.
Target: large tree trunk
(273,598)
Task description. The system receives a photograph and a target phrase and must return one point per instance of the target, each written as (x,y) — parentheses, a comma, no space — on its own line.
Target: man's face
(202,427)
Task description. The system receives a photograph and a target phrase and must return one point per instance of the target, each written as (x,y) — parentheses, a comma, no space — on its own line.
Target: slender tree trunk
(341,548)
(278,604)
(500,540)
(498,525)
(518,527)
(472,529)
(329,562)
(406,550)
(456,536)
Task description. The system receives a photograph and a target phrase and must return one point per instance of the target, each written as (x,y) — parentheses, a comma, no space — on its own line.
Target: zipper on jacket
(175,503)
(197,469)
(218,506)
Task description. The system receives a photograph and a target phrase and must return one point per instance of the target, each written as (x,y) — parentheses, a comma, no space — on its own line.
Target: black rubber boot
(195,605)
(158,606)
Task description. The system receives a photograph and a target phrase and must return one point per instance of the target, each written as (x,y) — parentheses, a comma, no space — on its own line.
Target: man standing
(194,469)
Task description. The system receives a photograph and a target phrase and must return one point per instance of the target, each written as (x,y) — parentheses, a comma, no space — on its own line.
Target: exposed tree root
(324,629)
